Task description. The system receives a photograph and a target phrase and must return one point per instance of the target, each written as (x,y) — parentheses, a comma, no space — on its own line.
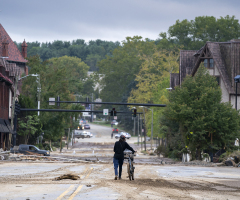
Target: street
(31,180)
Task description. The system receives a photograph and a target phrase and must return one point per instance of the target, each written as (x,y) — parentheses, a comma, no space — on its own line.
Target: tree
(121,68)
(152,81)
(204,121)
(195,33)
(75,71)
(28,126)
(59,76)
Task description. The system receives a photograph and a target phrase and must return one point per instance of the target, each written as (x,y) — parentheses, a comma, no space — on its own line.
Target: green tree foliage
(59,76)
(195,33)
(90,53)
(75,71)
(121,68)
(152,80)
(28,126)
(204,121)
(118,73)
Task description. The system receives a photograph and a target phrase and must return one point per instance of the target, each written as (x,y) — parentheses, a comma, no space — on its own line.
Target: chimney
(26,70)
(5,48)
(24,49)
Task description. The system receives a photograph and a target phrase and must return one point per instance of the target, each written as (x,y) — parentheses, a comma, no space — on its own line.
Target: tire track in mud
(146,185)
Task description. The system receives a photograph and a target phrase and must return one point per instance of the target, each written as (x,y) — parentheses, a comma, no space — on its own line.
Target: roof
(187,61)
(13,52)
(226,56)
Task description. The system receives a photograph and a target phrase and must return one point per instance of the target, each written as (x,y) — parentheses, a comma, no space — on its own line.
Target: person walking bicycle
(118,158)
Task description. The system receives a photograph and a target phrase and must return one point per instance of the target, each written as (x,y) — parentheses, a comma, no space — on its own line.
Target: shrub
(160,150)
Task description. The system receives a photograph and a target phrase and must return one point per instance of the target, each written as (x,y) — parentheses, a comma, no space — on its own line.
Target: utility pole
(152,130)
(144,130)
(92,109)
(141,131)
(138,130)
(39,91)
(134,133)
(68,136)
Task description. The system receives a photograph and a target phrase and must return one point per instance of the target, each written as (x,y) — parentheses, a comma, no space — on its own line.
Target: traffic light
(143,123)
(113,112)
(135,113)
(17,108)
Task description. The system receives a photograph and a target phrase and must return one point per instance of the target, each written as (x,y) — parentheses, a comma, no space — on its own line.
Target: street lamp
(38,87)
(236,80)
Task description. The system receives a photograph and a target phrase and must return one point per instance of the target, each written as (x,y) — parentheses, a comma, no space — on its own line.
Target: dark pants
(118,162)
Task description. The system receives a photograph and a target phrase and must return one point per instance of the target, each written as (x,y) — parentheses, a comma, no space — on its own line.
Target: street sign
(105,111)
(51,103)
(115,117)
(86,114)
(94,116)
(143,130)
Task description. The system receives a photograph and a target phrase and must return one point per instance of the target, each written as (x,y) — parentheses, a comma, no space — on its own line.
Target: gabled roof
(13,52)
(214,49)
(219,63)
(187,61)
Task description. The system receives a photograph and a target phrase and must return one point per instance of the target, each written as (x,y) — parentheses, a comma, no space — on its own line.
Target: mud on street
(153,180)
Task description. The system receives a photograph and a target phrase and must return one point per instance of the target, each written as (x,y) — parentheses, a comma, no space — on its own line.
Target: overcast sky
(111,20)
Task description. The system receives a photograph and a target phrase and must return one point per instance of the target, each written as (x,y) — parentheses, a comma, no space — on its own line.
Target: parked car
(86,126)
(29,150)
(114,122)
(89,134)
(115,130)
(83,134)
(127,135)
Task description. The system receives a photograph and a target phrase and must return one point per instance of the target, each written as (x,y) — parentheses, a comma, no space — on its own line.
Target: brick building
(222,59)
(12,65)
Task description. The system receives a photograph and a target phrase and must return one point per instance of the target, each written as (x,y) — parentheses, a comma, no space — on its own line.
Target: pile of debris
(4,155)
(67,176)
(232,161)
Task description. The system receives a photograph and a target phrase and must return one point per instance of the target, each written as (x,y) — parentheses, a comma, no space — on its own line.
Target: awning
(8,125)
(3,127)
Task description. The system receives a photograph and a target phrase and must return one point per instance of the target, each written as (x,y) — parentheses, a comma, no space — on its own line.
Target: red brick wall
(4,100)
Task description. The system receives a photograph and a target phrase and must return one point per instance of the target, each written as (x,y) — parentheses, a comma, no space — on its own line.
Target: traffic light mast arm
(114,103)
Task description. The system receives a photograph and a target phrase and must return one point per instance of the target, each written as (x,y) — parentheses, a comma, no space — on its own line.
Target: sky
(110,20)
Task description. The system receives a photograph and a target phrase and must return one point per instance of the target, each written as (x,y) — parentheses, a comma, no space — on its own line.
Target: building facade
(222,59)
(12,66)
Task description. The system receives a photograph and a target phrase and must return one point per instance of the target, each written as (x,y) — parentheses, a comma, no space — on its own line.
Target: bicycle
(130,168)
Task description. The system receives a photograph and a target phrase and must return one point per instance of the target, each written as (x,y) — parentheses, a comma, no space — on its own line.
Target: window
(211,63)
(208,63)
(218,79)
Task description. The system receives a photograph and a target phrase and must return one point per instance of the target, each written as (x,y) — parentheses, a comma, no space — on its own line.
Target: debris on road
(67,176)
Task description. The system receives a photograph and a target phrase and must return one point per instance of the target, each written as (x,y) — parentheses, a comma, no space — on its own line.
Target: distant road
(102,134)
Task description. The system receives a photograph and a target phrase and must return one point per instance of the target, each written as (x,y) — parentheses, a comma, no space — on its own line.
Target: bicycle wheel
(128,171)
(132,172)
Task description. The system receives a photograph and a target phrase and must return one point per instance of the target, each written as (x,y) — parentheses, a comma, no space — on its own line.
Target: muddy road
(36,181)
(155,178)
